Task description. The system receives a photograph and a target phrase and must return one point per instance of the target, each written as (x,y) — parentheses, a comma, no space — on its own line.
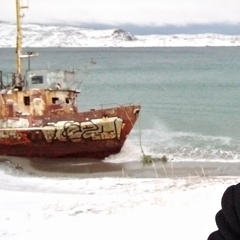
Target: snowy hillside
(67,36)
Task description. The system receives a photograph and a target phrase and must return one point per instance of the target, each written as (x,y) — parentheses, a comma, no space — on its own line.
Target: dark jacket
(228,218)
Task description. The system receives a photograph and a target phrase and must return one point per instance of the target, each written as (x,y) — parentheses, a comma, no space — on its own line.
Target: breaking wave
(178,146)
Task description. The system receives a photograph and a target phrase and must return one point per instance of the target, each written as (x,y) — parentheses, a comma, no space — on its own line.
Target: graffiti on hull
(97,129)
(65,131)
(13,137)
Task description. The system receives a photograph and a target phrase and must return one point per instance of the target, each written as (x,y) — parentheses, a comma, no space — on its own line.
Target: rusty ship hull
(93,134)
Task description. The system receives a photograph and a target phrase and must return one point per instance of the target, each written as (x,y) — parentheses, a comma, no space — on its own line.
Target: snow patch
(36,35)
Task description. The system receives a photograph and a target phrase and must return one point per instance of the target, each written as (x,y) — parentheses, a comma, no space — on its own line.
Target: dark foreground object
(228,218)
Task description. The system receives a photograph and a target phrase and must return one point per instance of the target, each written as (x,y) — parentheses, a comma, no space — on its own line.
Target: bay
(190,113)
(189,96)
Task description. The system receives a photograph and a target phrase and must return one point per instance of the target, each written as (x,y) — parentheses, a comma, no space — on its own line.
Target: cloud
(134,12)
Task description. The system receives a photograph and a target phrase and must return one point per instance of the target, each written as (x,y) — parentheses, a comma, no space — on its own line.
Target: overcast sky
(138,13)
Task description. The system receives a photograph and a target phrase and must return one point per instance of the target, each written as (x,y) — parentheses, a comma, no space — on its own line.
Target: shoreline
(89,168)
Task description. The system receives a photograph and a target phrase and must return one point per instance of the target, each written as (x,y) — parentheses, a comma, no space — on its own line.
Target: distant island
(36,35)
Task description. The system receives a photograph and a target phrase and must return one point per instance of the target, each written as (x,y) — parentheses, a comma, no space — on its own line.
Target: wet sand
(89,168)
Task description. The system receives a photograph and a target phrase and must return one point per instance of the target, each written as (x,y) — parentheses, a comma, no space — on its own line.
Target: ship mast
(20,15)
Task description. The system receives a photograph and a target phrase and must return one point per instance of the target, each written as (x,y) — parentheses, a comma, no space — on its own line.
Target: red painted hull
(88,149)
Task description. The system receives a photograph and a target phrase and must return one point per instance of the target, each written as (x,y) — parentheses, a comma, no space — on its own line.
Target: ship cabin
(40,93)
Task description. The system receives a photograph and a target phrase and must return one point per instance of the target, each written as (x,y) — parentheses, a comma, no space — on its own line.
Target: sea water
(190,112)
(190,97)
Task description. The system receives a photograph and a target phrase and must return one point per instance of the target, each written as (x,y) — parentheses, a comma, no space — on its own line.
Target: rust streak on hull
(94,134)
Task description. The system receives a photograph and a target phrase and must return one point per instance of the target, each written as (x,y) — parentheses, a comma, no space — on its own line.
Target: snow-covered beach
(37,206)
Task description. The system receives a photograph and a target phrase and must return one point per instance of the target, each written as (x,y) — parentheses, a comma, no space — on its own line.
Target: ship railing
(10,80)
(109,106)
